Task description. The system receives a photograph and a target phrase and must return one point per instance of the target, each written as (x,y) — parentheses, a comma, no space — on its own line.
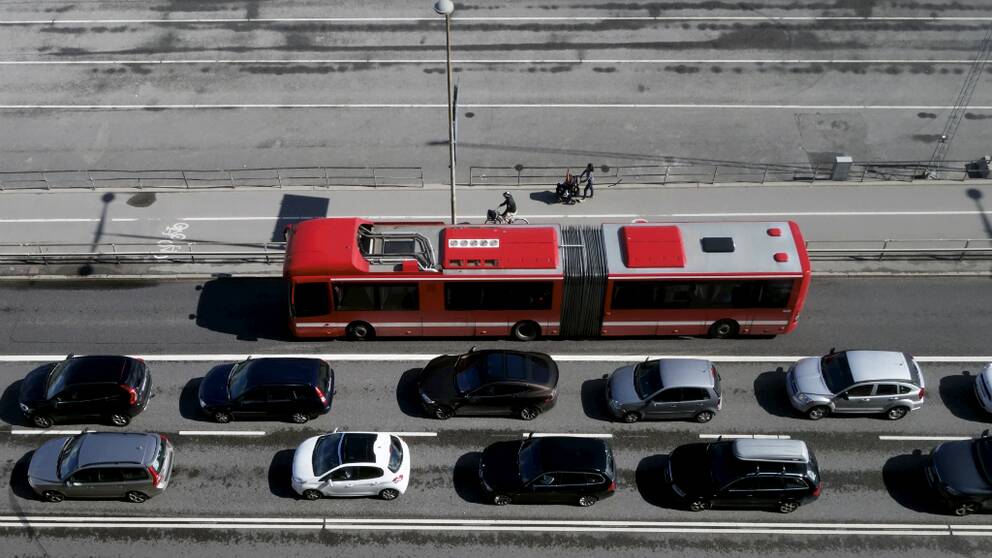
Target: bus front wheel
(360,331)
(724,329)
(526,331)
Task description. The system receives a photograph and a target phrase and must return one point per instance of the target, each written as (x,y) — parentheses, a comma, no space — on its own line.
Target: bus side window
(775,294)
(311,299)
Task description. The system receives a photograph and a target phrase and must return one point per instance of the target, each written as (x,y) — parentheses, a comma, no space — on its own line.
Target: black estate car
(489,382)
(746,473)
(299,389)
(111,387)
(548,470)
(961,473)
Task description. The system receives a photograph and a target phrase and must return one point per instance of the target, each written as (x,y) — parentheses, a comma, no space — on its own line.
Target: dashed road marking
(39,432)
(222,433)
(567,434)
(923,438)
(746,436)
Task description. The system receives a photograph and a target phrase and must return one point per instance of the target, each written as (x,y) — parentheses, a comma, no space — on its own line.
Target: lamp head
(444,7)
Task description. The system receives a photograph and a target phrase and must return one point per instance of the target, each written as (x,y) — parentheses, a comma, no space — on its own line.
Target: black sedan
(961,474)
(548,470)
(114,388)
(490,382)
(299,389)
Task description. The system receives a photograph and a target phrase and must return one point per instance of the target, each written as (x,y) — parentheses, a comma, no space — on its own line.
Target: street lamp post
(446,8)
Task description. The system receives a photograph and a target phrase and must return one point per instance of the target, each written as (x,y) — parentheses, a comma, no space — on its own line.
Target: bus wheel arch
(360,331)
(724,329)
(526,330)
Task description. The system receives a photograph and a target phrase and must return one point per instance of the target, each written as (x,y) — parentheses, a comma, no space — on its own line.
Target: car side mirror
(985,433)
(473,349)
(832,350)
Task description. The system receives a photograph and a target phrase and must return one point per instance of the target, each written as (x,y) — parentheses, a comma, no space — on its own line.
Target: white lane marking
(923,438)
(435,19)
(412,434)
(157,525)
(222,433)
(428,61)
(413,357)
(35,432)
(646,530)
(131,519)
(67,220)
(746,436)
(566,434)
(380,106)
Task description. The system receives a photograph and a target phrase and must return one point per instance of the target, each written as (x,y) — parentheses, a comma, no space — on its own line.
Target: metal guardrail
(172,252)
(289,177)
(698,173)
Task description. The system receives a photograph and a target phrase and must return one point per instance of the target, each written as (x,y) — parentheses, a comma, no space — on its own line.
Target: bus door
(310,308)
(442,315)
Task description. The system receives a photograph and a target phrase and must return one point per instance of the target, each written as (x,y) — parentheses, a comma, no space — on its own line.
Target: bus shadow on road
(251,308)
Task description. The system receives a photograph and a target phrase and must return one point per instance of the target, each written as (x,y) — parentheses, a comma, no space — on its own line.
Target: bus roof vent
(717,244)
(653,246)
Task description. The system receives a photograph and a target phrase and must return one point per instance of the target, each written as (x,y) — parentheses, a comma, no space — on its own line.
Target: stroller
(567,191)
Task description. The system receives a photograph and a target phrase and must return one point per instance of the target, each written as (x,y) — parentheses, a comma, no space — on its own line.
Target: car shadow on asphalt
(406,394)
(594,400)
(958,394)
(650,480)
(906,482)
(19,478)
(189,401)
(771,395)
(280,474)
(466,478)
(10,410)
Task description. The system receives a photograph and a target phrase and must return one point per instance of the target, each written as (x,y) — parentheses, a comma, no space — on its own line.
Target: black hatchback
(489,382)
(110,387)
(298,389)
(548,470)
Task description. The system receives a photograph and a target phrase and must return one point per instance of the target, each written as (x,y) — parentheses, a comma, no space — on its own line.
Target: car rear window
(395,454)
(325,454)
(109,369)
(836,372)
(527,368)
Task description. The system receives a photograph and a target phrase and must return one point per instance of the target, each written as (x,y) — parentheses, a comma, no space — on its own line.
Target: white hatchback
(346,464)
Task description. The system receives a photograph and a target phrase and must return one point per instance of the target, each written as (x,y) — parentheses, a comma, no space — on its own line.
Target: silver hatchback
(666,388)
(857,382)
(109,465)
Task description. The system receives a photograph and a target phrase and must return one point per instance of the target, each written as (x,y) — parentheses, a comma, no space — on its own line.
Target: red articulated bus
(350,277)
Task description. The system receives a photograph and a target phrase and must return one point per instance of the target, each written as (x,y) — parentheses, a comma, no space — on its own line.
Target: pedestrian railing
(902,249)
(189,179)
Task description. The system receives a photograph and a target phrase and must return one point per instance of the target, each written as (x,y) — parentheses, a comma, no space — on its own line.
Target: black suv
(777,474)
(299,389)
(114,388)
(548,470)
(490,382)
(961,473)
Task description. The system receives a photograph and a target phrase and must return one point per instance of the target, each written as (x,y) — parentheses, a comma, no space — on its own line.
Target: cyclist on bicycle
(511,207)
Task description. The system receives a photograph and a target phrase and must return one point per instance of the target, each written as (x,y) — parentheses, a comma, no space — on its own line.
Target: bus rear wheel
(359,331)
(525,331)
(724,329)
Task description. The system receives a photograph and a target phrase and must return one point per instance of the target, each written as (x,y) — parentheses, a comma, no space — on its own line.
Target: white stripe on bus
(546,324)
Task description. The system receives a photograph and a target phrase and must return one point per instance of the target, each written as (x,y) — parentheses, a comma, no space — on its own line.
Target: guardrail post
(44,178)
(967,244)
(764,175)
(664,179)
(885,245)
(192,258)
(230,177)
(327,183)
(113,248)
(375,178)
(279,178)
(716,168)
(89,178)
(864,172)
(185,180)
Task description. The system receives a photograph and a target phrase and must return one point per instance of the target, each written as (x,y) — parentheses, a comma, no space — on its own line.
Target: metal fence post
(764,175)
(967,243)
(185,180)
(716,168)
(327,183)
(885,246)
(279,178)
(192,258)
(113,248)
(230,177)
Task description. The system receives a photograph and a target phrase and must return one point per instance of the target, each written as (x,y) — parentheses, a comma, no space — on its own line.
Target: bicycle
(494,217)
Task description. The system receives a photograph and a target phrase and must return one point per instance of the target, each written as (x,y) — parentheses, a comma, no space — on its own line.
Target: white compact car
(983,388)
(346,464)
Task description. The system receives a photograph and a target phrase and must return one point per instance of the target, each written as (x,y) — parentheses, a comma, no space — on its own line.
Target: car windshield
(69,457)
(529,460)
(57,380)
(475,369)
(238,381)
(836,372)
(647,379)
(983,456)
(326,454)
(395,454)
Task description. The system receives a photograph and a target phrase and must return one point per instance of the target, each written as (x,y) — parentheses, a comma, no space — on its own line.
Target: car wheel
(501,499)
(360,331)
(528,413)
(965,509)
(119,419)
(896,413)
(818,412)
(788,507)
(443,413)
(42,421)
(311,494)
(724,329)
(389,494)
(699,505)
(222,417)
(136,497)
(525,331)
(53,496)
(586,501)
(299,418)
(631,417)
(704,416)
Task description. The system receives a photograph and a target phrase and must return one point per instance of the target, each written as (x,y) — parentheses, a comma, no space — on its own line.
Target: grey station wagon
(109,465)
(667,388)
(857,382)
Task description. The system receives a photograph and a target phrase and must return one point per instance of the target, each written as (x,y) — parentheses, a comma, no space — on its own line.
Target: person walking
(587,178)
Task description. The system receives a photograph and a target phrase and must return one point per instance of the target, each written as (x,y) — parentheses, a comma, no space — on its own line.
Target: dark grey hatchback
(298,389)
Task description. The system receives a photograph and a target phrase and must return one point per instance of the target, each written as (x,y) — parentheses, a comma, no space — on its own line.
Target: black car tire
(704,416)
(699,505)
(818,412)
(525,331)
(360,331)
(586,501)
(896,413)
(389,494)
(42,421)
(788,507)
(528,413)
(136,497)
(299,418)
(53,496)
(502,499)
(724,329)
(312,495)
(222,417)
(442,412)
(119,419)
(631,417)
